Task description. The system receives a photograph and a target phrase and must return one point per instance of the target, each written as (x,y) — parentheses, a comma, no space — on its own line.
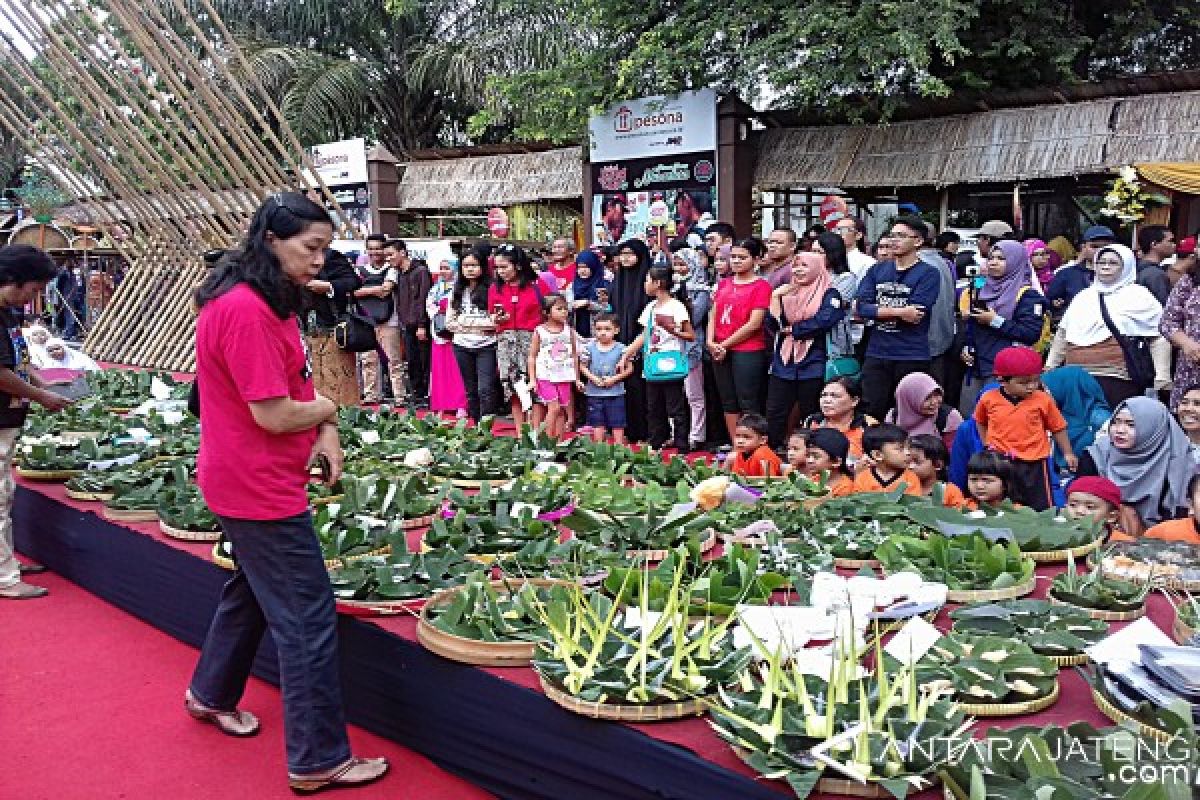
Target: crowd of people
(753,348)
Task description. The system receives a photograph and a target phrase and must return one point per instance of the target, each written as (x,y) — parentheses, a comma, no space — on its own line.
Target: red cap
(1097,486)
(1017,362)
(1186,246)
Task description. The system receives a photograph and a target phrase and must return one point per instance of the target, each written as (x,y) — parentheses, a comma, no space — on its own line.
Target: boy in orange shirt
(887,447)
(826,455)
(927,458)
(1099,499)
(751,456)
(1017,420)
(1181,530)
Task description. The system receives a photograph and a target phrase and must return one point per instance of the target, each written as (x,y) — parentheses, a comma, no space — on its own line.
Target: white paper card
(1122,646)
(369,437)
(159,390)
(139,434)
(518,507)
(913,641)
(524,392)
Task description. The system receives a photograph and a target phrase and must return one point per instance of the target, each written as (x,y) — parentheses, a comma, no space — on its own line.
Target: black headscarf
(628,291)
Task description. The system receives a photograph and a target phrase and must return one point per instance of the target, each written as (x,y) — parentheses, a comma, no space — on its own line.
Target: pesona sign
(655,127)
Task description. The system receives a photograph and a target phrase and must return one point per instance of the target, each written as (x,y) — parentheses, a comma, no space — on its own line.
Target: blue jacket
(887,287)
(1066,283)
(1024,327)
(814,329)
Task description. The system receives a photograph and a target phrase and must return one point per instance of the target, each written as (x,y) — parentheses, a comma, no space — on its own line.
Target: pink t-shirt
(244,353)
(732,305)
(564,275)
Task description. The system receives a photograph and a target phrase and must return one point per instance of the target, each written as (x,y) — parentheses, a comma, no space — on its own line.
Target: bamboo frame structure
(137,112)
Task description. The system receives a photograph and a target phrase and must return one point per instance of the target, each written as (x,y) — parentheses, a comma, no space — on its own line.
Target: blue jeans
(280,585)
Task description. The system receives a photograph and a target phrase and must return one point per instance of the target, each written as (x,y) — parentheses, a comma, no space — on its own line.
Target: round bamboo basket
(1011,709)
(1098,613)
(90,497)
(324,501)
(659,555)
(1182,631)
(1120,717)
(386,550)
(188,536)
(840,787)
(379,608)
(965,596)
(131,515)
(467,483)
(1160,581)
(856,563)
(624,713)
(473,651)
(1076,660)
(118,410)
(1054,556)
(221,560)
(48,475)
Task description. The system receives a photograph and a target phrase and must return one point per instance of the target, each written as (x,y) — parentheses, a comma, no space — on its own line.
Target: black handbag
(1139,362)
(355,333)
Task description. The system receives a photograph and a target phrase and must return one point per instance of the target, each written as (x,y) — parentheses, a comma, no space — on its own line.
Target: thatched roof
(997,146)
(497,180)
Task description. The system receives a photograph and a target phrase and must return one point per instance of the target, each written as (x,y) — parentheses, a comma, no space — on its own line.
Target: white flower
(1128,173)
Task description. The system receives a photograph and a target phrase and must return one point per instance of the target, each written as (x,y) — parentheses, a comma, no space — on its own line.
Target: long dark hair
(285,214)
(520,259)
(835,253)
(480,292)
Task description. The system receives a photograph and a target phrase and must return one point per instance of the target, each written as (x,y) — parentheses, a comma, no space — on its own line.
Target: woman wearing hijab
(446,392)
(801,314)
(1007,311)
(628,297)
(692,287)
(57,355)
(585,292)
(1147,455)
(1082,403)
(920,409)
(1043,260)
(1085,339)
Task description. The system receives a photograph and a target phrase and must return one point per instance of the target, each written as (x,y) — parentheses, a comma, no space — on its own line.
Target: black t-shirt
(14,354)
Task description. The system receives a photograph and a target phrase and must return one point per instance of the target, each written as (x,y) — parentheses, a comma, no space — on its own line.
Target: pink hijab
(1055,261)
(803,302)
(911,393)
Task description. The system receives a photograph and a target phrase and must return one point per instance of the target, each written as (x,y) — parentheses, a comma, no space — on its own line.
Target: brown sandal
(233,723)
(355,772)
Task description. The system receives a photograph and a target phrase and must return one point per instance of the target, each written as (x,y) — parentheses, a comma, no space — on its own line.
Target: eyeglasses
(1109,262)
(900,235)
(846,229)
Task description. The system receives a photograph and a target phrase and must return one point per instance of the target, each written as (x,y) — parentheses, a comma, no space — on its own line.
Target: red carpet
(91,708)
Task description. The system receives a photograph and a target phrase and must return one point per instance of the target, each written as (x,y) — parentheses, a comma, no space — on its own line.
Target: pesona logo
(703,170)
(612,178)
(624,121)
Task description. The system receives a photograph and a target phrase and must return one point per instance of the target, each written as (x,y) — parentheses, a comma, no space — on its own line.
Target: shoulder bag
(1136,349)
(355,333)
(664,365)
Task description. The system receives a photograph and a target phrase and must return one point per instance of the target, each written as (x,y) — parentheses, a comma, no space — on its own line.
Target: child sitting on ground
(887,447)
(797,453)
(1181,530)
(751,456)
(1098,499)
(989,481)
(1016,419)
(826,458)
(927,458)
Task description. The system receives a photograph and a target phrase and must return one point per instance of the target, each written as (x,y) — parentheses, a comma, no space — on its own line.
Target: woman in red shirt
(516,303)
(735,334)
(264,425)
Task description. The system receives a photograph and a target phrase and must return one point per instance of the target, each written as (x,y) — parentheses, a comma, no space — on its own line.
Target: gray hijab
(1153,474)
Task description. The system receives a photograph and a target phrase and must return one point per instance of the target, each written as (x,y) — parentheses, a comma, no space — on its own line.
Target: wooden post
(944,209)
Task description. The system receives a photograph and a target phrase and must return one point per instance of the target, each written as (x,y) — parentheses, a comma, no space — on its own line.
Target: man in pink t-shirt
(562,264)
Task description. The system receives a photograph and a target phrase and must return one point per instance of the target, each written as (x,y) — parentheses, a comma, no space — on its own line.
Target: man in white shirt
(854,232)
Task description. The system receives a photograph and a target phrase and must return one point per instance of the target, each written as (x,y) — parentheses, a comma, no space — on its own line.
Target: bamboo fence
(135,111)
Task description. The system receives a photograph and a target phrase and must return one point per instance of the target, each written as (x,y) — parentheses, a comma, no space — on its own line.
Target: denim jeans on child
(280,585)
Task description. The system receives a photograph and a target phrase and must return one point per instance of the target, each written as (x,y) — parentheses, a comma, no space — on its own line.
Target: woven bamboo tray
(856,563)
(48,475)
(1159,582)
(1097,613)
(133,515)
(325,501)
(473,651)
(660,555)
(1054,556)
(467,483)
(220,560)
(380,608)
(840,787)
(1181,631)
(1077,660)
(345,561)
(1120,717)
(965,596)
(625,713)
(90,497)
(188,536)
(1011,709)
(118,410)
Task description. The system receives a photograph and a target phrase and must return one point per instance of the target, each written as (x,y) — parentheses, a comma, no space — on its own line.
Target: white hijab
(1134,310)
(72,359)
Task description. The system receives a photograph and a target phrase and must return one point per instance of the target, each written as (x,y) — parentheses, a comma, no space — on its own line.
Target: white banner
(652,127)
(341,163)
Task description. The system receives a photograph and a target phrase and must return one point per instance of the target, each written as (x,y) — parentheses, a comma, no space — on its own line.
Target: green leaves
(1047,628)
(961,562)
